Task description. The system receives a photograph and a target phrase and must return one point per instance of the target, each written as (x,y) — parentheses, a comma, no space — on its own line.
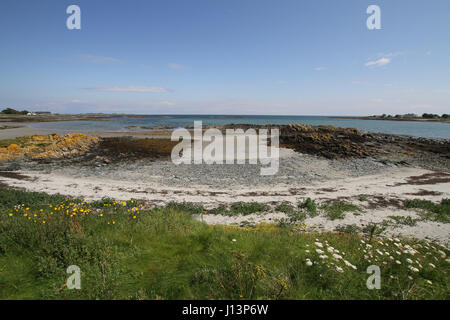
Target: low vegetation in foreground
(126,251)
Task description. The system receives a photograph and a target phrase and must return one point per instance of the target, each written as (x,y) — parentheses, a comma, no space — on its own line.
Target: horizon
(266,58)
(227,114)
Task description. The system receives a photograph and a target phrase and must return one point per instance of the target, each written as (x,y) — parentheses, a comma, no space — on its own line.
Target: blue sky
(226,57)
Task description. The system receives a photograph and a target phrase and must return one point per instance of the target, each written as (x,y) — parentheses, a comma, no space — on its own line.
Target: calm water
(413,128)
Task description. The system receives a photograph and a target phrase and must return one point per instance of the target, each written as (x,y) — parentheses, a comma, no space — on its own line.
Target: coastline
(391,119)
(324,164)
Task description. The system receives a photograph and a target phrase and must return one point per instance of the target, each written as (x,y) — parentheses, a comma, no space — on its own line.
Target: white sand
(383,184)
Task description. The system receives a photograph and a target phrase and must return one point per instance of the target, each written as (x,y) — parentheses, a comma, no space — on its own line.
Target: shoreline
(320,163)
(379,196)
(390,119)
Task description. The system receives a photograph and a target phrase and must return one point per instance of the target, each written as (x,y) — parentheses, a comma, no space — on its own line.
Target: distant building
(42,112)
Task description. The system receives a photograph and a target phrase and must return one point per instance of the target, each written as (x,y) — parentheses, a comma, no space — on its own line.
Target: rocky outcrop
(49,147)
(327,141)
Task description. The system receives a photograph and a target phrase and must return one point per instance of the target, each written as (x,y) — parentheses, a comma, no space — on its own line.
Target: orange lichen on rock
(51,147)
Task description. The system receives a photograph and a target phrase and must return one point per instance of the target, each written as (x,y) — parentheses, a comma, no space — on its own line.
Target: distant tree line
(13,111)
(425,116)
(435,116)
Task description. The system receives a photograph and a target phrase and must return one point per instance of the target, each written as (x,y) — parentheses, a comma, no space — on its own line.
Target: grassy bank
(127,252)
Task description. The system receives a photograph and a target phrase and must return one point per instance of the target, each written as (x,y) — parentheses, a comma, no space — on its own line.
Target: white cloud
(131,89)
(319,68)
(382,59)
(378,63)
(390,54)
(176,66)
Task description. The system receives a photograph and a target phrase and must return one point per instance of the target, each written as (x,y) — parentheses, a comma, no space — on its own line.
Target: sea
(436,130)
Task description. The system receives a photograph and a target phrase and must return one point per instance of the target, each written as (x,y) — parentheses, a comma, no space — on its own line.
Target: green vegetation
(294,216)
(337,209)
(188,207)
(125,251)
(408,221)
(348,228)
(414,116)
(10,111)
(306,208)
(375,229)
(243,208)
(433,116)
(21,142)
(309,206)
(248,208)
(431,211)
(285,208)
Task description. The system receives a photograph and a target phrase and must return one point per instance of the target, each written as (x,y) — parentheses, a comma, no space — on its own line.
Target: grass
(309,206)
(336,209)
(348,228)
(306,208)
(285,208)
(188,207)
(407,221)
(240,208)
(432,211)
(127,252)
(294,215)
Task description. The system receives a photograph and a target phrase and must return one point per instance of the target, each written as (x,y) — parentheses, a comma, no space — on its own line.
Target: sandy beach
(375,184)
